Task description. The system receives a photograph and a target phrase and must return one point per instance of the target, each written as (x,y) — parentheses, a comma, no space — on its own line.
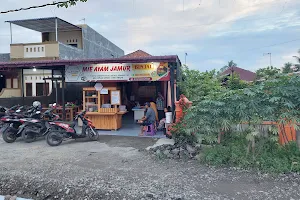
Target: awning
(44,25)
(61,63)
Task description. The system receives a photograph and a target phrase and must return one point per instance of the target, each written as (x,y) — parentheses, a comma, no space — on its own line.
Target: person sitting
(163,121)
(148,119)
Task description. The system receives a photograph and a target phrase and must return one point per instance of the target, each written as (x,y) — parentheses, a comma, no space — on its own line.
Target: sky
(211,32)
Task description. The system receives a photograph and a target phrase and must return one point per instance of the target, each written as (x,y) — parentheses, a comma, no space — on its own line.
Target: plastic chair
(150,130)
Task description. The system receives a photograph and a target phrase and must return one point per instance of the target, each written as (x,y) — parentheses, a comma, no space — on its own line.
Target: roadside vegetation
(240,122)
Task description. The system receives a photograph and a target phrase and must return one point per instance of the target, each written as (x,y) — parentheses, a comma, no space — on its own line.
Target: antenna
(83,20)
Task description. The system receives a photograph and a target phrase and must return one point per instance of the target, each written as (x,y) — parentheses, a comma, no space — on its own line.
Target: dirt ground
(120,168)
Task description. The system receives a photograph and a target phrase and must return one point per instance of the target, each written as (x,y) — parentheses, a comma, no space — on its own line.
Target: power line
(276,44)
(252,49)
(59,3)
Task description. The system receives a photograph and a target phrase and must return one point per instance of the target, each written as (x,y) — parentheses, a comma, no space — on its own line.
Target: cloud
(211,33)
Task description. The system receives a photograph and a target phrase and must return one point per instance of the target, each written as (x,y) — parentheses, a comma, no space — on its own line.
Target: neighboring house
(60,40)
(137,54)
(244,74)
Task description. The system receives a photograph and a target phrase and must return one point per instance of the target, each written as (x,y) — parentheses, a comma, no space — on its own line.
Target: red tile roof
(244,74)
(137,54)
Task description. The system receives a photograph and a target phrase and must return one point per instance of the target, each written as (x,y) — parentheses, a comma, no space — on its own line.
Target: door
(28,89)
(42,89)
(2,82)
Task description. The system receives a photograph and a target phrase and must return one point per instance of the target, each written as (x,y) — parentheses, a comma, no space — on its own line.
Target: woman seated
(163,121)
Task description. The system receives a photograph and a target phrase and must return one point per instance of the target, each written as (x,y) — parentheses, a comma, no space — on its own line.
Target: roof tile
(244,74)
(137,54)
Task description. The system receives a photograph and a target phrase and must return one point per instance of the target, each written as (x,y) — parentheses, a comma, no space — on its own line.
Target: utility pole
(270,54)
(185,58)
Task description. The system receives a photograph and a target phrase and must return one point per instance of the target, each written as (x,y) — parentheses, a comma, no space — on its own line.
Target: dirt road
(119,168)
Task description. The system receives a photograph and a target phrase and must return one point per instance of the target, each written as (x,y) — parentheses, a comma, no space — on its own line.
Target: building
(244,74)
(60,40)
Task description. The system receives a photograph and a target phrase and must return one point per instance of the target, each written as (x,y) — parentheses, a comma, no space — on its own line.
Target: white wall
(70,37)
(34,51)
(37,76)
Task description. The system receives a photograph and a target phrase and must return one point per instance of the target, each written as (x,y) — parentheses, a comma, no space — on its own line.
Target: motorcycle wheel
(9,136)
(54,138)
(91,135)
(28,136)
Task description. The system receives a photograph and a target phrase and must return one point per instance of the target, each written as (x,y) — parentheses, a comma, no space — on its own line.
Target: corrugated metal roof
(44,25)
(43,63)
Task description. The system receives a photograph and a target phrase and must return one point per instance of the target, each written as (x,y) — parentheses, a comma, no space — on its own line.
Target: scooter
(60,130)
(33,128)
(13,121)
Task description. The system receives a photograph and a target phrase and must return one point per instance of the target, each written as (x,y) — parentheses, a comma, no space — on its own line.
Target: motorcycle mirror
(18,111)
(38,112)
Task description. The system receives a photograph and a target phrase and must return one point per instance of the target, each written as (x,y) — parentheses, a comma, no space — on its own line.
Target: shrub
(268,156)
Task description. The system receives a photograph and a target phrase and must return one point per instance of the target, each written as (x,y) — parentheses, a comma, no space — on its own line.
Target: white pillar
(56,38)
(10,34)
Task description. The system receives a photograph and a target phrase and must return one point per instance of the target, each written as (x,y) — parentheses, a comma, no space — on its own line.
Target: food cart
(104,107)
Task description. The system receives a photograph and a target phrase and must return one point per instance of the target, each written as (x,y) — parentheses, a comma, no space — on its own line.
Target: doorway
(42,89)
(28,89)
(2,82)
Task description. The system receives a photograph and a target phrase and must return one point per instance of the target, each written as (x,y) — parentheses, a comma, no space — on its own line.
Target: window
(8,83)
(28,89)
(67,41)
(42,49)
(34,49)
(38,49)
(73,40)
(30,49)
(26,49)
(74,45)
(76,40)
(15,83)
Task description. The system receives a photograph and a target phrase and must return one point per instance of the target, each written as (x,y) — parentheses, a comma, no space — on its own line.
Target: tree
(297,66)
(65,4)
(196,85)
(70,3)
(267,73)
(230,65)
(235,82)
(287,68)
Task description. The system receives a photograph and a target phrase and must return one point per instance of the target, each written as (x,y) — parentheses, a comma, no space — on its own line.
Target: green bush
(181,137)
(268,157)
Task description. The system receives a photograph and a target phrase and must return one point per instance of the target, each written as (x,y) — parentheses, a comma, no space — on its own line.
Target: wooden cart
(103,118)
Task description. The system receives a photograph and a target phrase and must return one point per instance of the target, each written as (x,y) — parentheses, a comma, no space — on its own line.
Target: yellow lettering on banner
(143,67)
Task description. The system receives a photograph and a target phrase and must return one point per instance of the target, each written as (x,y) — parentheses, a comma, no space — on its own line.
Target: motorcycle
(13,121)
(60,130)
(33,128)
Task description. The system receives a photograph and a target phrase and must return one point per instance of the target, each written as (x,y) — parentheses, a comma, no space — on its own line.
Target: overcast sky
(211,32)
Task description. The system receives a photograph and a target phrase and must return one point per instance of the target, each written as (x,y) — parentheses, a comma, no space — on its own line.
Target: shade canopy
(45,25)
(62,63)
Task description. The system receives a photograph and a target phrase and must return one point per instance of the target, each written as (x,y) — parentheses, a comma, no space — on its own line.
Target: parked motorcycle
(33,128)
(13,120)
(60,130)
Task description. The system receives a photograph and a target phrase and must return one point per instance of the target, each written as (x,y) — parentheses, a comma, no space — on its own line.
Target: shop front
(117,92)
(112,91)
